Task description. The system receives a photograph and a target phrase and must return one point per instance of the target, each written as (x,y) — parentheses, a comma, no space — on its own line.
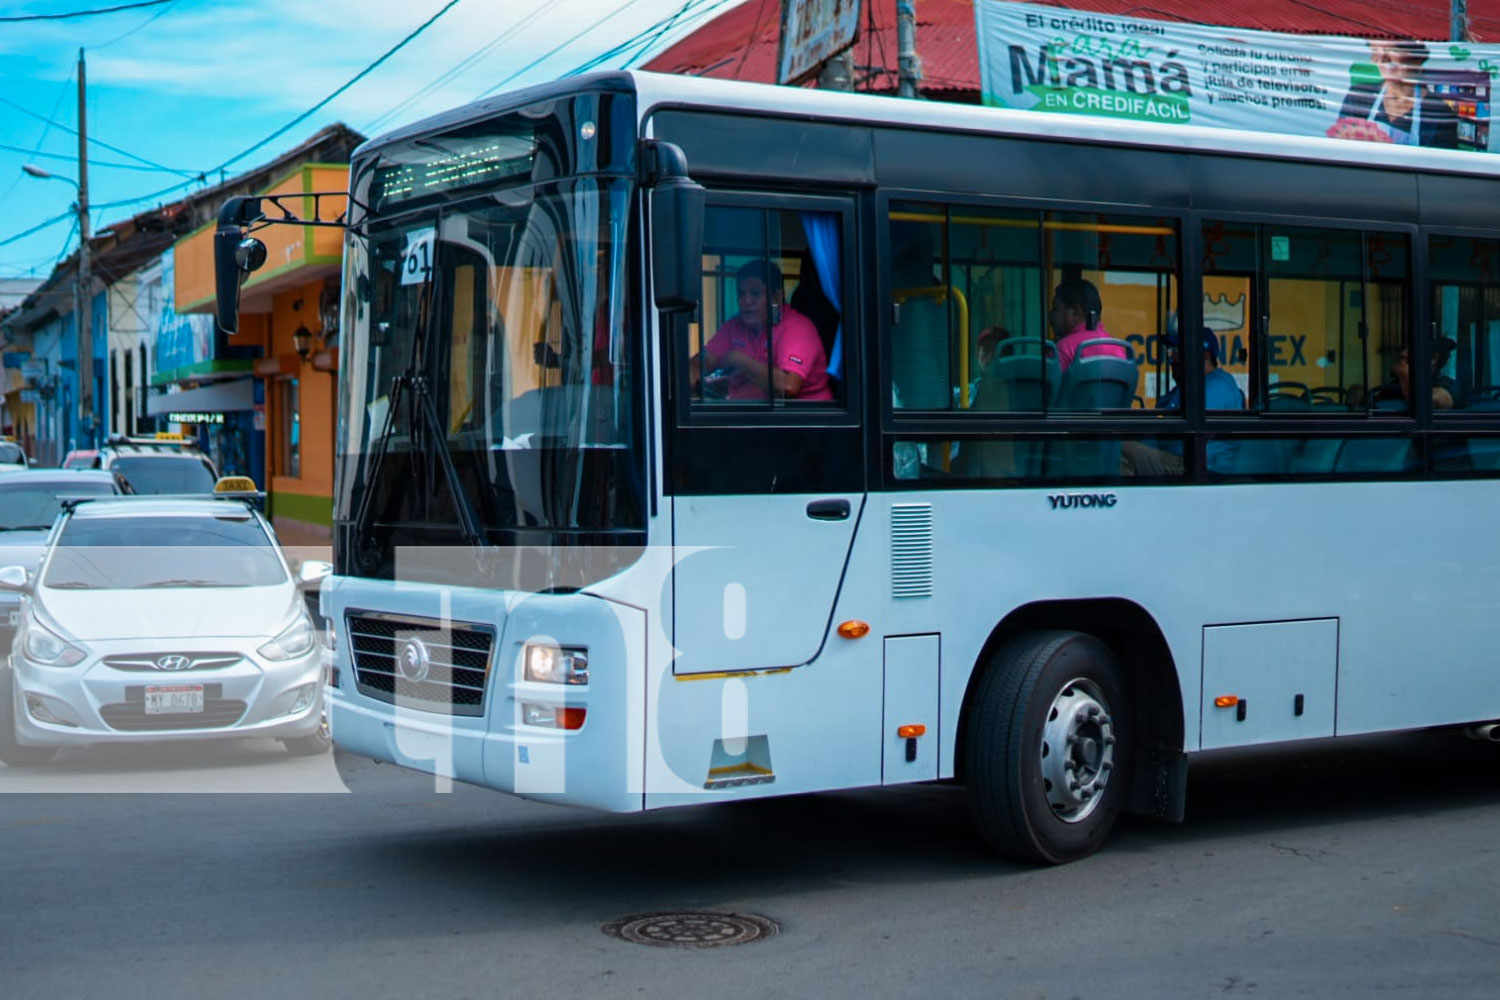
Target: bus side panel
(711,737)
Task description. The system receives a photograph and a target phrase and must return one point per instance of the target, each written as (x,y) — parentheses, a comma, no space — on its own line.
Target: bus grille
(450,682)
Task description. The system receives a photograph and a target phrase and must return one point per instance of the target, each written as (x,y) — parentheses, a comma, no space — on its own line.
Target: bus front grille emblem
(413,661)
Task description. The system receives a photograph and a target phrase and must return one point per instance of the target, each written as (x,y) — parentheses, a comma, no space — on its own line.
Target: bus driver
(741,347)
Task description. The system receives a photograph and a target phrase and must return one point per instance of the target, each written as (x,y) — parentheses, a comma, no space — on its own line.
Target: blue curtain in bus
(822,229)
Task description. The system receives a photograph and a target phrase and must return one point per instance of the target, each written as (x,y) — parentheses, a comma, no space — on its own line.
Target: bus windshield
(490,391)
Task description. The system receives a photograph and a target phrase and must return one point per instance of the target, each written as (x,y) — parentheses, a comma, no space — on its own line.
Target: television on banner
(1413,93)
(813,32)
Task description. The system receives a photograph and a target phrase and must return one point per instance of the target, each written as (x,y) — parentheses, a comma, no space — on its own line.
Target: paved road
(1368,868)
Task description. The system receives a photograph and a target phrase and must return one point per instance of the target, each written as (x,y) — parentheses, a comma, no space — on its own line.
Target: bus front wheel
(1047,745)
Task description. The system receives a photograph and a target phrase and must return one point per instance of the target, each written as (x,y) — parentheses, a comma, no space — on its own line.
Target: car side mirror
(312,573)
(16,579)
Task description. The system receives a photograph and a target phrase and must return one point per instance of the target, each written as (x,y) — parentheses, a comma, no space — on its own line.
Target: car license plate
(174,699)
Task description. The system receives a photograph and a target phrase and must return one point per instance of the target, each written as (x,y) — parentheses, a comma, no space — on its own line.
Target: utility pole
(908,66)
(838,72)
(1458,20)
(85,306)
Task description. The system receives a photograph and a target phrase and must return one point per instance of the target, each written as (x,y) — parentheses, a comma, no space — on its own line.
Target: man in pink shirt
(741,349)
(1075,319)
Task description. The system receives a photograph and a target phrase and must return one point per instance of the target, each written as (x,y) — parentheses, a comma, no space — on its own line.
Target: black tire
(310,746)
(1021,812)
(11,752)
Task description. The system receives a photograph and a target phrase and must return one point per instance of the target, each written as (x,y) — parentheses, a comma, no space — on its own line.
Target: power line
(351,82)
(67,85)
(455,70)
(560,46)
(83,13)
(73,159)
(100,142)
(39,227)
(660,27)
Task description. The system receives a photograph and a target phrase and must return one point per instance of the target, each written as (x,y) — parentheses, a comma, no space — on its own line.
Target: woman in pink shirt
(740,347)
(1075,319)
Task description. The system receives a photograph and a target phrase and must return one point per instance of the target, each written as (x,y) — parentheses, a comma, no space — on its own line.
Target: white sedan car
(159,619)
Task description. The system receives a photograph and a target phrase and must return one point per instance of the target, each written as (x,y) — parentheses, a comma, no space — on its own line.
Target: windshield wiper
(414,385)
(75,585)
(183,583)
(25,527)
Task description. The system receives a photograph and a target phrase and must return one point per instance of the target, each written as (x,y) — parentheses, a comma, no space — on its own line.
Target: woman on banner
(1398,108)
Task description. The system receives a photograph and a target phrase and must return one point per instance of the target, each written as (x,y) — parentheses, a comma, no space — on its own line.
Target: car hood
(23,548)
(170,612)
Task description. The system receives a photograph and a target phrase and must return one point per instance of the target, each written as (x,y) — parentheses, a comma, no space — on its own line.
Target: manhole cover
(692,929)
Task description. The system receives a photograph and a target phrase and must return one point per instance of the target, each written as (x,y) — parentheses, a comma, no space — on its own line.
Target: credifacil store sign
(1075,62)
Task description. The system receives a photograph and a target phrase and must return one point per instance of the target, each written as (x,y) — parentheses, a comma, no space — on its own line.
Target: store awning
(224,397)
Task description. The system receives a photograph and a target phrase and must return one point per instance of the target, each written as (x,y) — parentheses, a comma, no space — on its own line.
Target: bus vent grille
(911,550)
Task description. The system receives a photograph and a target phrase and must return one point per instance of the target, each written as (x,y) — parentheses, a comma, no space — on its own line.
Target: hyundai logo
(172,661)
(413,661)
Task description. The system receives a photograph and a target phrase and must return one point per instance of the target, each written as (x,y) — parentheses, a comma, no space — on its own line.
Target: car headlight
(44,646)
(296,640)
(556,664)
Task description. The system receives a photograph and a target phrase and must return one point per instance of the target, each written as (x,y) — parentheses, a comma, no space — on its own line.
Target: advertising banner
(181,340)
(812,32)
(1433,94)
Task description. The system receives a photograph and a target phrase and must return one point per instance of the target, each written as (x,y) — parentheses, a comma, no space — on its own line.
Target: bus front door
(756,572)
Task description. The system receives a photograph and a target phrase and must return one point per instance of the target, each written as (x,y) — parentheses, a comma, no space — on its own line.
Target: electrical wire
(38,227)
(120,38)
(760,19)
(375,125)
(16,18)
(100,142)
(560,46)
(611,53)
(339,90)
(35,153)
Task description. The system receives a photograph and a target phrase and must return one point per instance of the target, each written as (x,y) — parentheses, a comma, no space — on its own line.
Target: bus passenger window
(1465,355)
(1309,320)
(772,331)
(991,307)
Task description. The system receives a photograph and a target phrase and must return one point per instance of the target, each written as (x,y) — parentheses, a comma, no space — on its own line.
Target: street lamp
(46,175)
(81,300)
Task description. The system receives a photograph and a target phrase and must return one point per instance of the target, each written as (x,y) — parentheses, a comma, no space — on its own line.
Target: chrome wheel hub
(1078,750)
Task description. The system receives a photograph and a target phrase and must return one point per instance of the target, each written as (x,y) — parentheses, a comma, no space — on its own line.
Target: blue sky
(189,84)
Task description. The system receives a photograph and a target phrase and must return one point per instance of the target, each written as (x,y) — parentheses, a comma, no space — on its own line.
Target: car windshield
(11,454)
(166,473)
(32,506)
(83,461)
(130,553)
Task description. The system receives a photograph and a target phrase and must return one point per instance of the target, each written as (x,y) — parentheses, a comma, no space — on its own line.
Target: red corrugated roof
(950,59)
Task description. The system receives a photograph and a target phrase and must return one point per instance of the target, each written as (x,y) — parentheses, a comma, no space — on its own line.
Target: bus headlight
(556,664)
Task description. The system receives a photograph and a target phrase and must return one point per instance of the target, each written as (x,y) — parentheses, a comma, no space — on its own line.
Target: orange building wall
(317,395)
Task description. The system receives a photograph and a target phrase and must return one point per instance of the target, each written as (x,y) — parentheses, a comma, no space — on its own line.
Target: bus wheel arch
(1157,778)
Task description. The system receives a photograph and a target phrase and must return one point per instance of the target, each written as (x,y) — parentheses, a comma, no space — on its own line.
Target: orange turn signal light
(1226,701)
(911,732)
(854,629)
(570,718)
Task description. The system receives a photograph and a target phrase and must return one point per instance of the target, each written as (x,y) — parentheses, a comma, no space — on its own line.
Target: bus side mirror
(677,207)
(235,256)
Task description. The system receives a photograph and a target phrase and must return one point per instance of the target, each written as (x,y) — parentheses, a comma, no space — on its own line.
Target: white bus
(703,441)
